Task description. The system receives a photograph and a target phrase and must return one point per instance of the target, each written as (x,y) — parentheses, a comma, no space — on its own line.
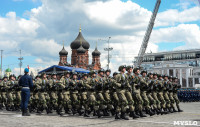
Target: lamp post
(108,49)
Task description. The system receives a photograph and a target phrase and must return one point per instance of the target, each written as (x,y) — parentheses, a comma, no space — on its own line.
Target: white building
(184,64)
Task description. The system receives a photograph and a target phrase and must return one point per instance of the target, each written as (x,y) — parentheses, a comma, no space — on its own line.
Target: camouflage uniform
(74,85)
(123,90)
(144,87)
(66,95)
(53,93)
(152,102)
(41,85)
(92,102)
(176,86)
(4,86)
(160,86)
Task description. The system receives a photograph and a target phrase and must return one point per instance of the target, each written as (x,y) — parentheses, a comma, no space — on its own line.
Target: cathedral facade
(80,56)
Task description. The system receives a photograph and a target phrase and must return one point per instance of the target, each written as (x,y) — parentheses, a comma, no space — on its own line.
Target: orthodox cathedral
(80,56)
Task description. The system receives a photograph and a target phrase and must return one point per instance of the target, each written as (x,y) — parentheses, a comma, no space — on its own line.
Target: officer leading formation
(127,94)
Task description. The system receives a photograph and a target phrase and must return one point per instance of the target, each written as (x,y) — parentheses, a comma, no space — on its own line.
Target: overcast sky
(38,27)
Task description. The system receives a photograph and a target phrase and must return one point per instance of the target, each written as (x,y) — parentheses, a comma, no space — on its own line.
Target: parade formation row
(189,95)
(127,93)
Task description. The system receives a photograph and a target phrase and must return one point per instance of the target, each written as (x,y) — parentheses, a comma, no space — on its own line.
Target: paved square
(14,119)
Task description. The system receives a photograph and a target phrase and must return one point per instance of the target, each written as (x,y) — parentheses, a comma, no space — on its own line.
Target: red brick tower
(63,57)
(80,59)
(96,59)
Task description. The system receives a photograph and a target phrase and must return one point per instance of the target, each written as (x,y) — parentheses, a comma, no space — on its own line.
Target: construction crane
(147,35)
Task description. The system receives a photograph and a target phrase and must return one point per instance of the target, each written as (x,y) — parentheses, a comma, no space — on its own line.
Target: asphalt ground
(191,116)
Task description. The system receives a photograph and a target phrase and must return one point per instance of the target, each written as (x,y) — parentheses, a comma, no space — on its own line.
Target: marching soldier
(136,91)
(123,86)
(144,87)
(66,92)
(10,95)
(160,87)
(107,91)
(83,93)
(166,93)
(150,93)
(74,85)
(176,86)
(100,84)
(93,104)
(4,86)
(154,93)
(41,85)
(53,93)
(16,93)
(131,101)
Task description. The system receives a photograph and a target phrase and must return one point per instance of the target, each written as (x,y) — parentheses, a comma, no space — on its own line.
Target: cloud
(41,35)
(172,17)
(188,33)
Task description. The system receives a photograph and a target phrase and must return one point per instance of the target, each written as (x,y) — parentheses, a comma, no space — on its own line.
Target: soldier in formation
(130,93)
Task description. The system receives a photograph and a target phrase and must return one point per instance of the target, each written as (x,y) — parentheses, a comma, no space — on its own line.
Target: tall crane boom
(147,34)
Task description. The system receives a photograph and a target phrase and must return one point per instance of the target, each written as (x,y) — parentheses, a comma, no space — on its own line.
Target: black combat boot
(1,108)
(165,110)
(86,113)
(142,114)
(123,116)
(112,112)
(80,112)
(134,115)
(99,114)
(94,113)
(26,112)
(151,113)
(170,110)
(117,116)
(174,110)
(22,112)
(179,110)
(105,113)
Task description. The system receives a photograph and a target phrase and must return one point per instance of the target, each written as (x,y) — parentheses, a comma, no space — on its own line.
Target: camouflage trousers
(123,102)
(152,101)
(146,103)
(84,100)
(66,99)
(75,99)
(171,98)
(175,96)
(53,99)
(100,99)
(161,99)
(108,101)
(167,100)
(138,100)
(92,102)
(115,100)
(155,96)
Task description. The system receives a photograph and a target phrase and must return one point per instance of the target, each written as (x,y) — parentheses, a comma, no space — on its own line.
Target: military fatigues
(143,88)
(160,87)
(107,90)
(154,94)
(4,87)
(136,89)
(176,86)
(149,93)
(99,93)
(74,84)
(66,94)
(41,85)
(53,94)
